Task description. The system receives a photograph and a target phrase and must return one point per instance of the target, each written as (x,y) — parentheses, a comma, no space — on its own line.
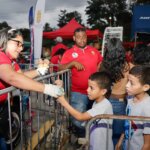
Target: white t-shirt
(98,130)
(138,128)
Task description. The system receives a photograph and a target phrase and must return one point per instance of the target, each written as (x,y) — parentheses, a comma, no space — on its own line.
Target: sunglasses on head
(19,44)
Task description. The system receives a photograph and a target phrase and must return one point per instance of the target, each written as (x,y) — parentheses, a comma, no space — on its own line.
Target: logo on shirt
(74,55)
(92,52)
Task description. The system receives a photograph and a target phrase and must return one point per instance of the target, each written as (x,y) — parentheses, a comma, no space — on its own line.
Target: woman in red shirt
(11,45)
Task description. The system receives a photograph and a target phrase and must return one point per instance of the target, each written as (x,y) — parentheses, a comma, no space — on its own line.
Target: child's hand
(117,147)
(61,99)
(119,144)
(59,83)
(43,66)
(43,63)
(53,90)
(46,62)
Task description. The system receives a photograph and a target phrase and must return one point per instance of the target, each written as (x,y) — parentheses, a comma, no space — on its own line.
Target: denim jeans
(80,102)
(119,108)
(3,145)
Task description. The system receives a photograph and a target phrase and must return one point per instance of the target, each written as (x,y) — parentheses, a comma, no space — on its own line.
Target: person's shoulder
(91,47)
(107,102)
(4,58)
(146,100)
(70,50)
(68,53)
(146,104)
(2,53)
(107,106)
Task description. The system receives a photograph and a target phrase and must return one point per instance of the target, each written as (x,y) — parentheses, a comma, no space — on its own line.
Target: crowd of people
(108,84)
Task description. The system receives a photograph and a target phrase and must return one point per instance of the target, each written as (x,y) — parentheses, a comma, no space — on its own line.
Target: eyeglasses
(19,44)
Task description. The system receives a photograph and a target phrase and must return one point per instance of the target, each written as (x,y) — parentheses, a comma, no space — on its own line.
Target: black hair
(114,60)
(81,29)
(104,81)
(60,51)
(141,54)
(142,72)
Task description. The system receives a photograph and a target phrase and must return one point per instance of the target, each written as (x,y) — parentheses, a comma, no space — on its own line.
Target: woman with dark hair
(115,63)
(11,45)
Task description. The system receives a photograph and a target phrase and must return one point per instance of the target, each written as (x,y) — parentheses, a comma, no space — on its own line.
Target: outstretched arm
(18,79)
(76,114)
(21,81)
(31,73)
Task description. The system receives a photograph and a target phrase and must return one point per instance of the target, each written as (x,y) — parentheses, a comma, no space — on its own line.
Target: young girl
(99,85)
(138,87)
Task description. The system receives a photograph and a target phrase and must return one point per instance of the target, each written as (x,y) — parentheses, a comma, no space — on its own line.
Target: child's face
(134,87)
(94,91)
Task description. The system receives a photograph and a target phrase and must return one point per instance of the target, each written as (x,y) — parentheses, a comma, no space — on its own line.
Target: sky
(15,12)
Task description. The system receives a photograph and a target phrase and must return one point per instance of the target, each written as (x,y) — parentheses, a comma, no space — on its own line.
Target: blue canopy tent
(140,20)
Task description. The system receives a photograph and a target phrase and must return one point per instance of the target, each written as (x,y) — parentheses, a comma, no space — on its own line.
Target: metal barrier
(86,141)
(24,66)
(42,122)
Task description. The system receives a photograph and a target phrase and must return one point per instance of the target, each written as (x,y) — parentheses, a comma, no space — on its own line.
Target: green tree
(103,13)
(4,25)
(65,17)
(47,27)
(142,1)
(26,34)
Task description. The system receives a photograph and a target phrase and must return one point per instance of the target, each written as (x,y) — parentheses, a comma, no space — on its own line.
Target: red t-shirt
(129,57)
(90,58)
(55,60)
(58,46)
(4,59)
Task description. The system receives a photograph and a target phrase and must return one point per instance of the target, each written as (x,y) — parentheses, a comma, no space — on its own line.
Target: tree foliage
(142,1)
(65,17)
(26,34)
(47,27)
(103,13)
(4,25)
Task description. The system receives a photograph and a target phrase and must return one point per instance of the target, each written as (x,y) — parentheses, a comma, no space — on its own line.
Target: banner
(38,28)
(140,20)
(31,21)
